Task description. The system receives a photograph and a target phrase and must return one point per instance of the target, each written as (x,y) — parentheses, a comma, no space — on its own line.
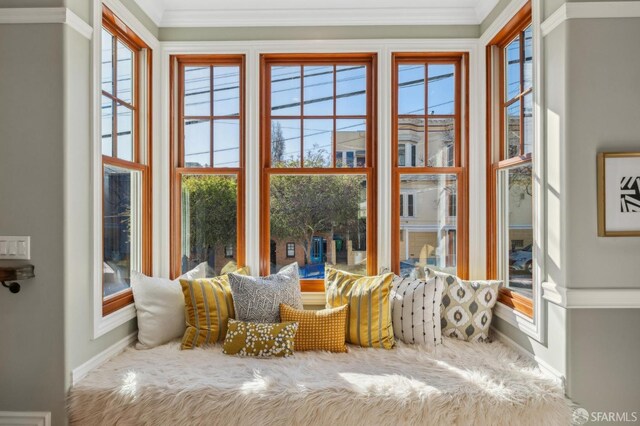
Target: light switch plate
(15,248)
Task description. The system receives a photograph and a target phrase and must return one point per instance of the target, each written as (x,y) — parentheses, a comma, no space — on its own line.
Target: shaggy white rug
(458,384)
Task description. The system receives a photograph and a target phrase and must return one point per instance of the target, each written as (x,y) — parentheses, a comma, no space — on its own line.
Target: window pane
(519,217)
(197,143)
(107,62)
(441,149)
(121,228)
(285,90)
(325,216)
(124,73)
(512,65)
(226,143)
(209,221)
(125,133)
(318,143)
(351,143)
(107,126)
(318,90)
(226,91)
(197,91)
(425,231)
(411,89)
(528,58)
(442,89)
(513,130)
(351,84)
(285,143)
(411,140)
(528,123)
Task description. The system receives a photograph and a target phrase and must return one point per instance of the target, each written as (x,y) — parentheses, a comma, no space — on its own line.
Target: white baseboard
(79,372)
(30,418)
(543,365)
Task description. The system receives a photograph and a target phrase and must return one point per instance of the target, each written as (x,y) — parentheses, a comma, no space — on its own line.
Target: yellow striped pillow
(369,320)
(208,307)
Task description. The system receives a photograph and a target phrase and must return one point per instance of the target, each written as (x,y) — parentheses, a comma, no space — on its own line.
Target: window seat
(459,383)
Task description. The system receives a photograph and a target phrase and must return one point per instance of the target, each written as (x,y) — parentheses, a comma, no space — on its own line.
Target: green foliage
(212,202)
(304,205)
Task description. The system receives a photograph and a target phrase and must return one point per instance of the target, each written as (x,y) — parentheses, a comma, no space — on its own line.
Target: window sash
(140,214)
(459,148)
(367,169)
(177,157)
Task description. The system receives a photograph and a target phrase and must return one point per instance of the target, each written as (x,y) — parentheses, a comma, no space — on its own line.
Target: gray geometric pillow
(466,310)
(258,299)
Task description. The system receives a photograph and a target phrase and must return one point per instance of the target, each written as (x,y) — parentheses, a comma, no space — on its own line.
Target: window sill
(313,298)
(518,320)
(103,325)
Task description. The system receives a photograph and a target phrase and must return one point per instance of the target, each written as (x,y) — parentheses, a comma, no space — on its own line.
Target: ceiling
(251,13)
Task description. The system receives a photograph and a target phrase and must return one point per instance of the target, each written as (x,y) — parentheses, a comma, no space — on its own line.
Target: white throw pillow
(160,306)
(415,310)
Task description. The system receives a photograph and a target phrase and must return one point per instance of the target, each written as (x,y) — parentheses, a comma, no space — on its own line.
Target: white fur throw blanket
(457,384)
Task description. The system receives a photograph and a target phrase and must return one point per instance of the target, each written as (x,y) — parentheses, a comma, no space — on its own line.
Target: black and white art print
(619,194)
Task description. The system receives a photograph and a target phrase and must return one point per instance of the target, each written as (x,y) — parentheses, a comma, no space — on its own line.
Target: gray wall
(31,172)
(603,114)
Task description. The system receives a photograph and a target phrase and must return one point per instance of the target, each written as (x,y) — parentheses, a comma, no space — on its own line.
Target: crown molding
(153,8)
(319,17)
(484,8)
(591,298)
(590,10)
(46,15)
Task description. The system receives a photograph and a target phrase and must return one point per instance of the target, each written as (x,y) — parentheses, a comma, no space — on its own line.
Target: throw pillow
(466,310)
(258,299)
(369,320)
(160,307)
(318,330)
(415,309)
(260,339)
(207,308)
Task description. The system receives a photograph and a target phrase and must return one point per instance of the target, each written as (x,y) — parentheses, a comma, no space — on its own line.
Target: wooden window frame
(177,65)
(141,149)
(369,171)
(461,158)
(496,144)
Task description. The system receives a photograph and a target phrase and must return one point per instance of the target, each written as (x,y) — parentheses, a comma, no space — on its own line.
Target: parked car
(522,260)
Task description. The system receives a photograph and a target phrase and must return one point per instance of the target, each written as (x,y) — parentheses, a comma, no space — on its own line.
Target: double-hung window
(126,188)
(207,159)
(511,253)
(318,159)
(429,221)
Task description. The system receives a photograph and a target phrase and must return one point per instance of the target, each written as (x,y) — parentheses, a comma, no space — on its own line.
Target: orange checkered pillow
(318,330)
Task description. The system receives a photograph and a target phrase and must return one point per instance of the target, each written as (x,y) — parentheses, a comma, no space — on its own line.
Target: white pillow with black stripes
(415,310)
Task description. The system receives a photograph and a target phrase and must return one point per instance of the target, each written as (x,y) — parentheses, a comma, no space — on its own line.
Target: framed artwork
(619,194)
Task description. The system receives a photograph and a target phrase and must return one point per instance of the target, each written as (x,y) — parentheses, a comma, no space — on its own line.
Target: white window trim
(533,327)
(104,324)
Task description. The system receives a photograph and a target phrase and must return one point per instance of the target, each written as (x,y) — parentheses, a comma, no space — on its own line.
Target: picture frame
(618,194)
